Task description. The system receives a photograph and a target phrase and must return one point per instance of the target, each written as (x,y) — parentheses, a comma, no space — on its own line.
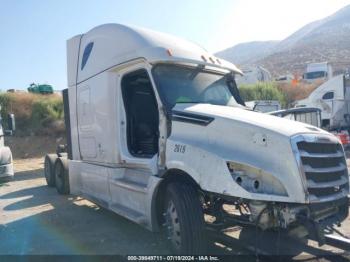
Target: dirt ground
(35,219)
(33,146)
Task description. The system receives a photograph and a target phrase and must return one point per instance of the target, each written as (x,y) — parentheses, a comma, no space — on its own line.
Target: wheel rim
(172,225)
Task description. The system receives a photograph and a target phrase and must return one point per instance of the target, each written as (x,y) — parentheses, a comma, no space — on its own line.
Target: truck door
(139,136)
(142,117)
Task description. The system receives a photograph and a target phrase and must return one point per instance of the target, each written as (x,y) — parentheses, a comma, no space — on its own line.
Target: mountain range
(327,39)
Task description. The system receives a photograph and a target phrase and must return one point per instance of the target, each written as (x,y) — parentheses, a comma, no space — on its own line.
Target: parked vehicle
(311,116)
(264,106)
(318,71)
(253,75)
(307,115)
(158,133)
(6,162)
(40,89)
(285,78)
(344,137)
(333,98)
(12,90)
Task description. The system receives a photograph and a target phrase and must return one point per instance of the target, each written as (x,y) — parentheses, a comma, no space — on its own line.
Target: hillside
(327,39)
(246,53)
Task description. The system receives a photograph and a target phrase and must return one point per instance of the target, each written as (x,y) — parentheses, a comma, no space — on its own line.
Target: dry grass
(35,114)
(285,93)
(297,92)
(21,104)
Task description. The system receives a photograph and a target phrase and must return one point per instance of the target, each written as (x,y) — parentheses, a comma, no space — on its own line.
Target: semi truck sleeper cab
(158,133)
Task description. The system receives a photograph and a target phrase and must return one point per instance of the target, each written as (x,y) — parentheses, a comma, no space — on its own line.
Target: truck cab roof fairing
(116,44)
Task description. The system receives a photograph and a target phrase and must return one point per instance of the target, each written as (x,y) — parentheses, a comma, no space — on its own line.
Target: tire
(49,171)
(6,179)
(62,176)
(184,220)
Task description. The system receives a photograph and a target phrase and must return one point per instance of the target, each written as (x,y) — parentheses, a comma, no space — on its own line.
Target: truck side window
(328,95)
(141,113)
(86,54)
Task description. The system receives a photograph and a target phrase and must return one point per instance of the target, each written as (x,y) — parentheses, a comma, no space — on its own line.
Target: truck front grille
(324,166)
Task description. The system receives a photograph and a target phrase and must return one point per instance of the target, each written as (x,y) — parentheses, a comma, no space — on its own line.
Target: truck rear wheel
(49,171)
(184,220)
(61,176)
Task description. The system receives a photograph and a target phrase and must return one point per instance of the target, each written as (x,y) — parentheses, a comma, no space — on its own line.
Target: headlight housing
(255,180)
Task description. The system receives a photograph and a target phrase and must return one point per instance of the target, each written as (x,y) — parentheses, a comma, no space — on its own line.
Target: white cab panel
(97,119)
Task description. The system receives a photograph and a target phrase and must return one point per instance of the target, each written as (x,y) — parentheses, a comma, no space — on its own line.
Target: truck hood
(204,138)
(279,125)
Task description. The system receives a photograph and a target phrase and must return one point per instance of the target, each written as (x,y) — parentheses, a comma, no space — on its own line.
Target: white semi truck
(318,71)
(333,99)
(158,133)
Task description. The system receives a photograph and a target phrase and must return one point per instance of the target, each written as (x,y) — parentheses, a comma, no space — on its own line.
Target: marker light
(203,58)
(169,52)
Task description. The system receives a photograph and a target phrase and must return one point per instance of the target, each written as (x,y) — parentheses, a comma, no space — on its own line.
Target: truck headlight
(255,180)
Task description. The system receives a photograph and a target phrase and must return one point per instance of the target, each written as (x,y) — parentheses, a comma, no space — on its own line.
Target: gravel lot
(35,219)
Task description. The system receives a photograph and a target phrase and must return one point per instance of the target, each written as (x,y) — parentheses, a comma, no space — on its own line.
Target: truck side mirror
(11,123)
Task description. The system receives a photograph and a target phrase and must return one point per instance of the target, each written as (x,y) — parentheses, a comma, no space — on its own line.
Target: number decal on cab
(180,148)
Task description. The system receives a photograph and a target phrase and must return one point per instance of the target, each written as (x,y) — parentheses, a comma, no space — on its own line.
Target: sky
(34,32)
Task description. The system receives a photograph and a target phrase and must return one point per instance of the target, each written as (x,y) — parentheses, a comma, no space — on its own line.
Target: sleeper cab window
(86,54)
(328,95)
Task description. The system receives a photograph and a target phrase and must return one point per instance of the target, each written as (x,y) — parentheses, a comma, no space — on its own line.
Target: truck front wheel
(184,220)
(61,176)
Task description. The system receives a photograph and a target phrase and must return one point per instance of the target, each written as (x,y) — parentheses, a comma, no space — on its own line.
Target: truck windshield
(182,84)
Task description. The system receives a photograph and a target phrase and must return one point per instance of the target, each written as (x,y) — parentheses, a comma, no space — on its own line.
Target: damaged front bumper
(286,215)
(322,218)
(278,215)
(326,214)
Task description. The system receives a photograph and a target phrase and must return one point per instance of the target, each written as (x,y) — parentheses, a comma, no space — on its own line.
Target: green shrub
(262,91)
(45,112)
